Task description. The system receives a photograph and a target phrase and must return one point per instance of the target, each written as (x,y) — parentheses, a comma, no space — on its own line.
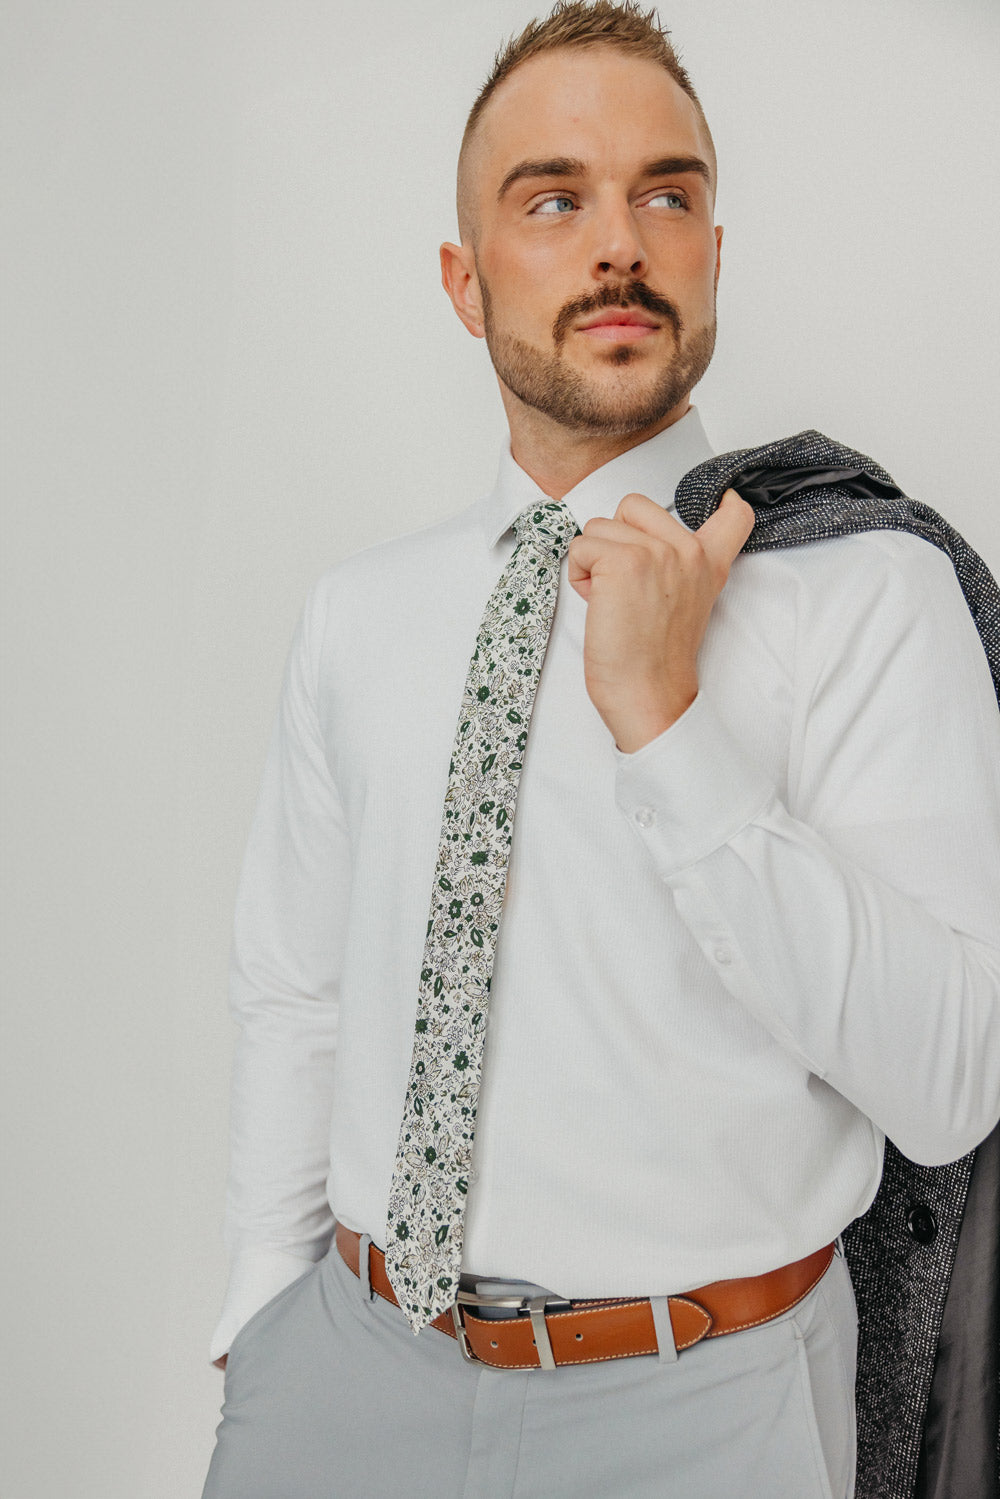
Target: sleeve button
(645,817)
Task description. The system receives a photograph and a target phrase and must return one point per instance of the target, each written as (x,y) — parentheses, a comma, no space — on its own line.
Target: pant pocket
(245,1333)
(826,1339)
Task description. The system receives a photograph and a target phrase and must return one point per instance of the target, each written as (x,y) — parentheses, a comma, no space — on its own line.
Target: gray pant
(328,1393)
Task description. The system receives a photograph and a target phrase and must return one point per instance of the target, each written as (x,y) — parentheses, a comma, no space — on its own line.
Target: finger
(587,552)
(613,530)
(583,553)
(644,514)
(726,532)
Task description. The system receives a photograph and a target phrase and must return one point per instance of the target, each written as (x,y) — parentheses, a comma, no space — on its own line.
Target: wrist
(638,726)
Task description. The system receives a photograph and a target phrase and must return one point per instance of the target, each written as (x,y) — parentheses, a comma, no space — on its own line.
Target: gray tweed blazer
(925,1258)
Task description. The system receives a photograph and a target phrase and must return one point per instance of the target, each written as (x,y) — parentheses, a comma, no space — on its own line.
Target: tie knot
(549,527)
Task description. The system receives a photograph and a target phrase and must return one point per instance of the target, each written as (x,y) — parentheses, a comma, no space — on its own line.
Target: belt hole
(579,1337)
(494,1343)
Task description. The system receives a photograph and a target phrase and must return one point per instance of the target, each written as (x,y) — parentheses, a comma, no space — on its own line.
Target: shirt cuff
(690,790)
(257,1277)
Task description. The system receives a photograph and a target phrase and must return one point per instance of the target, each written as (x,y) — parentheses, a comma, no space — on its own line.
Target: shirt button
(723,954)
(472,1177)
(645,817)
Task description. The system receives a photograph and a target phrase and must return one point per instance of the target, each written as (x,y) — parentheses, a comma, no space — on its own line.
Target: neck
(557,457)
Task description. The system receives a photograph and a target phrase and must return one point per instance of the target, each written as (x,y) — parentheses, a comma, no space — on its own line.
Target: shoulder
(369,580)
(863,576)
(863,608)
(886,581)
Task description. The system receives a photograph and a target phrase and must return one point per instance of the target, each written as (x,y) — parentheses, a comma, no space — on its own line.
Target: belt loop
(364,1267)
(663,1327)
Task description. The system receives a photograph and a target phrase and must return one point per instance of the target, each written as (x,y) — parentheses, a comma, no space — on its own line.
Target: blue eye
(551,204)
(678,198)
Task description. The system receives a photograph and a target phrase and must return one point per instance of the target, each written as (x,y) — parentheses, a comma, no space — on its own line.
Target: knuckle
(687,552)
(718,572)
(666,556)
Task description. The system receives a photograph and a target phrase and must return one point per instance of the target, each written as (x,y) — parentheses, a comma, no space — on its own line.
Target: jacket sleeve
(858,918)
(285,967)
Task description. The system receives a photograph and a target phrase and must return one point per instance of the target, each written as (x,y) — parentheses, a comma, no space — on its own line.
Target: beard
(617,407)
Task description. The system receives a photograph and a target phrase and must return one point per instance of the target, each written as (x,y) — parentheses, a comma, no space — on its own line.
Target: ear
(460,281)
(718,252)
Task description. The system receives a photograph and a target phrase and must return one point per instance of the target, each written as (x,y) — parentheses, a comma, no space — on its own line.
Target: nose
(617,249)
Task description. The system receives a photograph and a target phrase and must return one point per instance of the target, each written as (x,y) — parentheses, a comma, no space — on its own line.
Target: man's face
(590,206)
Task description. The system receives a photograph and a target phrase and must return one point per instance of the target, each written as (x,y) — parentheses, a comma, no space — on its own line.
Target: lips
(619,317)
(619,325)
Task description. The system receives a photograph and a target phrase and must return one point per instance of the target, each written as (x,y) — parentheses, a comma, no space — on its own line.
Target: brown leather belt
(585,1332)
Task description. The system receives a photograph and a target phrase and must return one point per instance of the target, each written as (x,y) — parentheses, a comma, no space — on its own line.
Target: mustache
(634,294)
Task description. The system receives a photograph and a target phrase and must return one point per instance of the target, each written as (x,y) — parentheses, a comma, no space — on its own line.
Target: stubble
(632,402)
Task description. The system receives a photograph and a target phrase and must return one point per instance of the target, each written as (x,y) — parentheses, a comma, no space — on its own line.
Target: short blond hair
(573,23)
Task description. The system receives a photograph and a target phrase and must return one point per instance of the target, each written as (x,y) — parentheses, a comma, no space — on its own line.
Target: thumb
(725,533)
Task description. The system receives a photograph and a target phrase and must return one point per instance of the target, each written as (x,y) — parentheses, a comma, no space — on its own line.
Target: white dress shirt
(729,964)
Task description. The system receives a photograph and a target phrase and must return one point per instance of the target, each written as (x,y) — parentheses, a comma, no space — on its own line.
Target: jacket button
(921,1224)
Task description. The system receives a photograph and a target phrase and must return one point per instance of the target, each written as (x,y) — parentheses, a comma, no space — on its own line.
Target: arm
(290,915)
(862,925)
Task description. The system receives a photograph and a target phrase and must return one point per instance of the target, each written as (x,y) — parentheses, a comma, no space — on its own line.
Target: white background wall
(228,363)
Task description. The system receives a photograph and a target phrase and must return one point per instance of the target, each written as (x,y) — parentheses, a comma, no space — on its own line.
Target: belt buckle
(533,1305)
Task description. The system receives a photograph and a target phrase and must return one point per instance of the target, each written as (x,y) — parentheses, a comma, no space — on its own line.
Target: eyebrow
(572,166)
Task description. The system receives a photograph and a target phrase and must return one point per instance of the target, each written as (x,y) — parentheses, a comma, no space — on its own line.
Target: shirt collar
(654,468)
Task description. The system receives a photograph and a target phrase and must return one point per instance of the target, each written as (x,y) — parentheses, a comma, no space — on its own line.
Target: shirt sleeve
(858,917)
(285,968)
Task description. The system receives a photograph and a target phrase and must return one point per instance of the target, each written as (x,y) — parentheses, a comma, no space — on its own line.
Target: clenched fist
(649,585)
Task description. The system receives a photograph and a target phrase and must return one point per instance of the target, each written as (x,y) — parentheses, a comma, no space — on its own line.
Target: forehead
(599,104)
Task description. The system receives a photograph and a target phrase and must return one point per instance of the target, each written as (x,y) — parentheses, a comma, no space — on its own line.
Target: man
(747,926)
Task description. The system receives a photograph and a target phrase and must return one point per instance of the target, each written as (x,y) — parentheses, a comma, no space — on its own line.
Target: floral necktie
(430,1180)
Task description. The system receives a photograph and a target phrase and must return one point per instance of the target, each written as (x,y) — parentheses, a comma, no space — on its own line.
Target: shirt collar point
(654,467)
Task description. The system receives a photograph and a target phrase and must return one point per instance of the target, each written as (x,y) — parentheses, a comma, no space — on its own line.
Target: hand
(649,585)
